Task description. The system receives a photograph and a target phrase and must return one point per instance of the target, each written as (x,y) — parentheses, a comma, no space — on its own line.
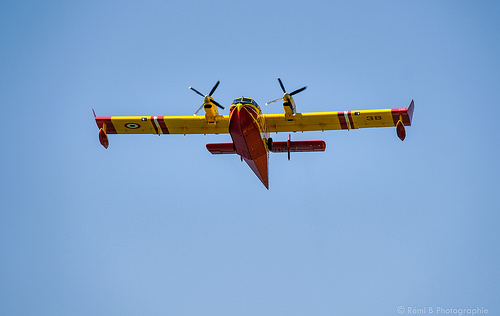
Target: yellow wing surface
(163,125)
(322,121)
(273,123)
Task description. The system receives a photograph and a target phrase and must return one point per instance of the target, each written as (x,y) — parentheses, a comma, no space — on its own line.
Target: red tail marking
(221,148)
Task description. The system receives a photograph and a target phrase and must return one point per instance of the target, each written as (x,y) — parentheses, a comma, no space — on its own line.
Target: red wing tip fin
(400,125)
(94,113)
(410,110)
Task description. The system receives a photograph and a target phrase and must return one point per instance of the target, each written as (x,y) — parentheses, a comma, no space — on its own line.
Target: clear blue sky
(159,226)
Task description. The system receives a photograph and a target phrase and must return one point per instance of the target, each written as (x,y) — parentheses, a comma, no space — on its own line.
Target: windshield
(245,101)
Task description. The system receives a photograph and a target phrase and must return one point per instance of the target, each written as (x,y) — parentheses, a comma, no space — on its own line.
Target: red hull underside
(247,140)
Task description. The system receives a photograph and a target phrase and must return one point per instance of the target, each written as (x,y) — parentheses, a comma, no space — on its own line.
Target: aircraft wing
(163,124)
(322,121)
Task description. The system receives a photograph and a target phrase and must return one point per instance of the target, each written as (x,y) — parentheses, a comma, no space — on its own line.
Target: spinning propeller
(207,98)
(286,95)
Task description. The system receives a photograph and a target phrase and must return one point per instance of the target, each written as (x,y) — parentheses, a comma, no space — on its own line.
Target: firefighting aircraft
(250,129)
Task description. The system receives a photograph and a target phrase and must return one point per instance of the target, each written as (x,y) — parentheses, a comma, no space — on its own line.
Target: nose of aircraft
(238,119)
(237,124)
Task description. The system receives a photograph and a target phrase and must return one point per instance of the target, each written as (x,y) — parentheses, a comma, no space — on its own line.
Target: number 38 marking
(371,118)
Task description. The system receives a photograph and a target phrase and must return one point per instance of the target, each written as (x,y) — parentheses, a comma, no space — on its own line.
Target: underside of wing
(163,125)
(322,121)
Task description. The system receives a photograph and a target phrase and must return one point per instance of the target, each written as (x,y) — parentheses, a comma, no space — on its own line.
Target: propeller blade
(198,92)
(298,90)
(213,89)
(282,86)
(199,109)
(208,98)
(217,103)
(274,101)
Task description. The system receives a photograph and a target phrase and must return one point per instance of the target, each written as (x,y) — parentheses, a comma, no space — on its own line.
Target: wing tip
(410,110)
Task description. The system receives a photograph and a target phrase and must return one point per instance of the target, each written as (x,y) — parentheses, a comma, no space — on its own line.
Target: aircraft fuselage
(249,139)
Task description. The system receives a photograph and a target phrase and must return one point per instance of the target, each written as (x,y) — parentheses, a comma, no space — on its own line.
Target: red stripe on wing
(152,119)
(350,119)
(343,123)
(163,125)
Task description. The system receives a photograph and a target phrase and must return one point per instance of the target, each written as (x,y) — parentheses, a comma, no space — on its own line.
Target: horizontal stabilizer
(221,148)
(299,146)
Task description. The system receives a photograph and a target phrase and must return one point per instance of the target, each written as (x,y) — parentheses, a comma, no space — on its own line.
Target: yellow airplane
(250,129)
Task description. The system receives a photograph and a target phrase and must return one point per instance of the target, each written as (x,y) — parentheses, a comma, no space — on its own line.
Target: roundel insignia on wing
(132,125)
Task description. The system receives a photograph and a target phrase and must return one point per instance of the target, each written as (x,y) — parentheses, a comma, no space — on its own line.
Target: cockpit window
(245,101)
